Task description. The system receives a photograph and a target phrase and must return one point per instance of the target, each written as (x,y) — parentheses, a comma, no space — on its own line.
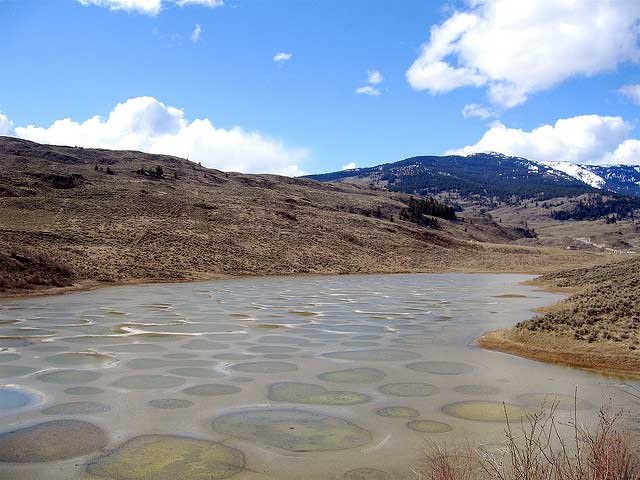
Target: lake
(314,377)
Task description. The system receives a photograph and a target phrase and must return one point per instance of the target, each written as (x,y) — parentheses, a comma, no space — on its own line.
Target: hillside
(492,175)
(74,215)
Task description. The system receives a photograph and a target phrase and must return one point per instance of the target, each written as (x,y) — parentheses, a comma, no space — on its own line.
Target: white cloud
(631,91)
(374,77)
(368,90)
(515,49)
(473,110)
(147,7)
(349,166)
(282,57)
(197,32)
(6,125)
(585,139)
(144,123)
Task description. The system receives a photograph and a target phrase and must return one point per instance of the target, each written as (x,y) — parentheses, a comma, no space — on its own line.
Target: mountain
(492,175)
(76,215)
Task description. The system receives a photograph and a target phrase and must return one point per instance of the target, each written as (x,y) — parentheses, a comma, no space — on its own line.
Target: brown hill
(74,215)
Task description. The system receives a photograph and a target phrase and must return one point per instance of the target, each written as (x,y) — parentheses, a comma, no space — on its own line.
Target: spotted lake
(321,377)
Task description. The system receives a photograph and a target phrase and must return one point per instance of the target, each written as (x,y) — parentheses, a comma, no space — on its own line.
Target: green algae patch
(309,393)
(374,355)
(146,382)
(398,412)
(292,429)
(409,389)
(441,368)
(69,376)
(170,403)
(166,457)
(477,390)
(7,371)
(50,441)
(265,367)
(365,474)
(83,390)
(486,411)
(212,390)
(353,375)
(77,408)
(429,426)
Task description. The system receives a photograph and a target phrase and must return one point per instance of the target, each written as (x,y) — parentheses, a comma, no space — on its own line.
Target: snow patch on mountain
(578,172)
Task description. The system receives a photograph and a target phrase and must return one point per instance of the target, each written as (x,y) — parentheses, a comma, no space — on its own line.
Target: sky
(302,86)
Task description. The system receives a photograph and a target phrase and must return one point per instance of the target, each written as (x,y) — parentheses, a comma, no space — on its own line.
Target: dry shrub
(538,451)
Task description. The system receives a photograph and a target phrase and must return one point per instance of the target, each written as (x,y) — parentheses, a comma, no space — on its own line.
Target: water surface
(288,377)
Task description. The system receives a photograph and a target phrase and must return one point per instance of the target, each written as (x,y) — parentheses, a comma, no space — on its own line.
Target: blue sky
(63,59)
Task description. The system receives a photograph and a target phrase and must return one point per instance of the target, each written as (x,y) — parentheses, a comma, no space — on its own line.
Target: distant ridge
(492,174)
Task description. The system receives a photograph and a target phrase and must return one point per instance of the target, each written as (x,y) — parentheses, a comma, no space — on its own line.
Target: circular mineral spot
(365,474)
(166,457)
(76,408)
(7,371)
(211,390)
(381,355)
(429,426)
(398,412)
(485,411)
(145,382)
(81,359)
(180,356)
(353,375)
(196,372)
(273,349)
(441,368)
(564,402)
(170,403)
(49,441)
(233,356)
(358,343)
(69,376)
(83,390)
(413,339)
(15,398)
(309,393)
(477,389)
(136,348)
(45,348)
(149,363)
(292,429)
(276,356)
(409,389)
(265,367)
(8,357)
(242,379)
(284,339)
(202,344)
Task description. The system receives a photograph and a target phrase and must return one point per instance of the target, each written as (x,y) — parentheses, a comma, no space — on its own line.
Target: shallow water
(327,377)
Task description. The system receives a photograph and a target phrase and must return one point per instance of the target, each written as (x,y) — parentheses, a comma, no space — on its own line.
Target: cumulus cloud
(473,110)
(147,7)
(6,125)
(282,57)
(368,90)
(515,49)
(374,77)
(586,139)
(349,166)
(631,91)
(197,32)
(144,123)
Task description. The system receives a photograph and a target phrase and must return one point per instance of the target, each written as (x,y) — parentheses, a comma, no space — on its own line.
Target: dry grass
(536,450)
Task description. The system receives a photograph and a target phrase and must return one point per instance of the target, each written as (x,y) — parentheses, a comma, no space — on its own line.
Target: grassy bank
(597,328)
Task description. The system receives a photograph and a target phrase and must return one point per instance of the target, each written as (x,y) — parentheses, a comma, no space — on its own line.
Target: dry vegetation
(114,216)
(537,450)
(596,328)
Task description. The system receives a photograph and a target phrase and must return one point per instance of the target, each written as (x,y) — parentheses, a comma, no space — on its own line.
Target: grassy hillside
(76,215)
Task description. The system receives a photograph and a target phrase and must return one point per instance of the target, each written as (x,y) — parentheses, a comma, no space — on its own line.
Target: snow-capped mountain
(493,174)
